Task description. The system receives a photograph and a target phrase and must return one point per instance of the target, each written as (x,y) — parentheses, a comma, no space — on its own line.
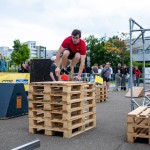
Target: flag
(98,79)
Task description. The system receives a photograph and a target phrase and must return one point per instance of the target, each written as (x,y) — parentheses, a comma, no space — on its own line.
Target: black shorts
(106,79)
(71,55)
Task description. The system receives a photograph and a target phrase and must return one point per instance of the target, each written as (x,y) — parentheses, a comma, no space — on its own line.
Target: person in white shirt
(100,69)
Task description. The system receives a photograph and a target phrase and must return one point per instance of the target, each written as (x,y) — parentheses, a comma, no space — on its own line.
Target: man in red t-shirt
(74,49)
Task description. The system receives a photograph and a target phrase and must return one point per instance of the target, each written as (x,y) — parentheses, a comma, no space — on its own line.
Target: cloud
(49,22)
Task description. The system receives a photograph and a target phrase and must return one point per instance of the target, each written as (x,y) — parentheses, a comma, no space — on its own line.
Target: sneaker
(62,71)
(67,70)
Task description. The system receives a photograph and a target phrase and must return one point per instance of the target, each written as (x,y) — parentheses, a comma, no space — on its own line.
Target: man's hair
(76,32)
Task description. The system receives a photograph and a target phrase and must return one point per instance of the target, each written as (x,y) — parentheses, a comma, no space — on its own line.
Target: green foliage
(102,50)
(95,49)
(118,48)
(140,64)
(21,52)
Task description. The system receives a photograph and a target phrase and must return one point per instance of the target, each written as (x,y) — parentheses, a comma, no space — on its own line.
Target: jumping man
(74,49)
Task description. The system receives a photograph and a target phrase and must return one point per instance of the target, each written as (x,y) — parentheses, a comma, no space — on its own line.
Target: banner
(16,78)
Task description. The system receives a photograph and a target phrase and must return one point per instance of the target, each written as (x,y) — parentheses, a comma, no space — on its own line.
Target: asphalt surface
(109,134)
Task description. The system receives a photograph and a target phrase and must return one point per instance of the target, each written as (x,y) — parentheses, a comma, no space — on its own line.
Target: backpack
(103,72)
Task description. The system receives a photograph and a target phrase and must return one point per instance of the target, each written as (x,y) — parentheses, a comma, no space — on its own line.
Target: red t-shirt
(80,47)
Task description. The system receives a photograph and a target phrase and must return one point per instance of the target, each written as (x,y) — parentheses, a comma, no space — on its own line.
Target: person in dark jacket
(118,76)
(124,75)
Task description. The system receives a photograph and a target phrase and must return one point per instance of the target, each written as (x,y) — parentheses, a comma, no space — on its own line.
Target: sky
(49,22)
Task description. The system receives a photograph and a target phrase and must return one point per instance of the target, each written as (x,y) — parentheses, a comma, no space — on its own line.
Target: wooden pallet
(36,113)
(60,97)
(36,104)
(62,106)
(36,122)
(89,109)
(63,124)
(100,100)
(89,94)
(63,115)
(59,86)
(65,133)
(138,124)
(36,96)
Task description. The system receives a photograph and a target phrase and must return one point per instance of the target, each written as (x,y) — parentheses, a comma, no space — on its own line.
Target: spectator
(100,68)
(124,74)
(23,68)
(95,70)
(53,75)
(3,64)
(105,75)
(118,76)
(137,73)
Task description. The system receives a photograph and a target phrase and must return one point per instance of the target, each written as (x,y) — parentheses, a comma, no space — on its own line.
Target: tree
(95,49)
(117,49)
(20,53)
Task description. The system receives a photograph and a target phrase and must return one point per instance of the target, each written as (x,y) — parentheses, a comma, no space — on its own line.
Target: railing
(84,76)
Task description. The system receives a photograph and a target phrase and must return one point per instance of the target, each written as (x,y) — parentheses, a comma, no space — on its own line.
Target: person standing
(124,75)
(137,73)
(53,76)
(3,64)
(105,74)
(72,48)
(118,76)
(100,68)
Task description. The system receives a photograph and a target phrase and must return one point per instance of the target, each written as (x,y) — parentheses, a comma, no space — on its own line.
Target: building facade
(137,49)
(6,51)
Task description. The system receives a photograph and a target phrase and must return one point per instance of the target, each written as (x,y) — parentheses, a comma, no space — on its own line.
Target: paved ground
(110,133)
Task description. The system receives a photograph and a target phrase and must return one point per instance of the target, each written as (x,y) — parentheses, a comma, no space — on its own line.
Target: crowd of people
(24,68)
(121,75)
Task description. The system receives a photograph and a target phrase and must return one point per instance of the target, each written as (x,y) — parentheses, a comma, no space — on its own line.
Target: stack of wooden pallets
(138,124)
(66,107)
(100,94)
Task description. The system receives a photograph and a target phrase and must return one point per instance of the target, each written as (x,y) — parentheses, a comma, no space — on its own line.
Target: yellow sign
(98,79)
(16,78)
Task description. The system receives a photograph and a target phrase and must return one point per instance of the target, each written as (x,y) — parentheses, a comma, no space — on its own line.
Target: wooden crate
(138,124)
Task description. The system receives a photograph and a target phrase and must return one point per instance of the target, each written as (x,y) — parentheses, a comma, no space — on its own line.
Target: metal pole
(29,146)
(144,69)
(135,30)
(131,78)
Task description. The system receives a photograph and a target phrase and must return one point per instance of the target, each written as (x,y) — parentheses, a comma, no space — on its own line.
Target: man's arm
(60,50)
(52,76)
(82,64)
(57,70)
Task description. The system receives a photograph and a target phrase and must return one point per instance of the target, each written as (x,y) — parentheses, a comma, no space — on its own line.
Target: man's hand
(78,77)
(57,71)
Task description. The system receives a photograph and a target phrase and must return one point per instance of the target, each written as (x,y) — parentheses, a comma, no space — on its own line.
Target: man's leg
(66,53)
(74,61)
